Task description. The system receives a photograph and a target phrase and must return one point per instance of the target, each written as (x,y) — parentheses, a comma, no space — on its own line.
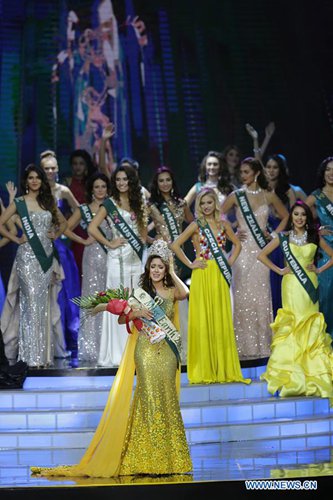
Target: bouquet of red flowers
(117,300)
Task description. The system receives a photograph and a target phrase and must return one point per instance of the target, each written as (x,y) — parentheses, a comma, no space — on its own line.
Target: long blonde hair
(197,208)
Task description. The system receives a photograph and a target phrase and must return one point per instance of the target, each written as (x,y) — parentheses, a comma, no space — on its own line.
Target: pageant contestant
(278,181)
(125,212)
(322,202)
(212,351)
(149,438)
(301,363)
(93,263)
(70,314)
(32,277)
(82,167)
(251,288)
(214,174)
(168,213)
(4,241)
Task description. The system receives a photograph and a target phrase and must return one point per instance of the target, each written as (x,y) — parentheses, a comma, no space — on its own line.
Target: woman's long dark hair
(257,168)
(146,283)
(320,179)
(45,198)
(312,228)
(282,185)
(90,184)
(155,194)
(135,196)
(224,185)
(82,153)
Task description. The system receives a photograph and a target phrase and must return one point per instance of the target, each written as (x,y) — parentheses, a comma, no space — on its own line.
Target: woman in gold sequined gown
(150,438)
(251,290)
(301,363)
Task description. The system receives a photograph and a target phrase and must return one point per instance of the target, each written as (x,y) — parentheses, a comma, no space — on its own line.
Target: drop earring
(26,189)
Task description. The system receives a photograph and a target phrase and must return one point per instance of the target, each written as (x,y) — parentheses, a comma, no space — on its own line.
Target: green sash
(216,251)
(170,221)
(87,216)
(297,269)
(123,227)
(326,203)
(173,229)
(250,219)
(44,260)
(172,335)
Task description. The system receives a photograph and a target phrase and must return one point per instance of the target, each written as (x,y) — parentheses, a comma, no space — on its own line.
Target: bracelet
(273,234)
(256,150)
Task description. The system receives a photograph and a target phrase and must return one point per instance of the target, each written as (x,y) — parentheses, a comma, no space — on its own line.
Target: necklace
(210,183)
(298,240)
(253,191)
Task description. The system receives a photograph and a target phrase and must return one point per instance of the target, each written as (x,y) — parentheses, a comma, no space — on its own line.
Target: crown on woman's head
(160,248)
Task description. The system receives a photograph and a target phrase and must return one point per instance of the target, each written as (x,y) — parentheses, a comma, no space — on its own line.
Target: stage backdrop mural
(175,78)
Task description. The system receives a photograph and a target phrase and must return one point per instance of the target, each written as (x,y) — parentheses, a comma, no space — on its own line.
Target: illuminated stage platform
(236,433)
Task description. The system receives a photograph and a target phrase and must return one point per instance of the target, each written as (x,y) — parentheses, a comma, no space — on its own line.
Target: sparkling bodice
(205,252)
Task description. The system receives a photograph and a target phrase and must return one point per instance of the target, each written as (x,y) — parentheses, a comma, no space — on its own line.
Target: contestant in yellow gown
(146,436)
(301,363)
(212,351)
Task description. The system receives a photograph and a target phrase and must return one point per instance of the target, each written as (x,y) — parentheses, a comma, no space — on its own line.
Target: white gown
(123,268)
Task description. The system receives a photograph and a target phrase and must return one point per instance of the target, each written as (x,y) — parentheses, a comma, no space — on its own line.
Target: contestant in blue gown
(322,200)
(66,202)
(70,314)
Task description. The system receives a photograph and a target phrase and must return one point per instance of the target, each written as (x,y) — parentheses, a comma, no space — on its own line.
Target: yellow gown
(143,436)
(301,363)
(212,351)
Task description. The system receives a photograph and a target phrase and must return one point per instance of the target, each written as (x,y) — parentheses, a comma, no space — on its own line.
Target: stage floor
(298,457)
(212,462)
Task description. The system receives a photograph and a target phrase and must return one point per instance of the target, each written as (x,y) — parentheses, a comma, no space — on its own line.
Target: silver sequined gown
(252,301)
(36,345)
(94,263)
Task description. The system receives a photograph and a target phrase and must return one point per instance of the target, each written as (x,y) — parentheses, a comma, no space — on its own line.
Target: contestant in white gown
(126,214)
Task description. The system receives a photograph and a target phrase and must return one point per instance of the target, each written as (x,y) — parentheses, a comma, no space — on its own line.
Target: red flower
(118,306)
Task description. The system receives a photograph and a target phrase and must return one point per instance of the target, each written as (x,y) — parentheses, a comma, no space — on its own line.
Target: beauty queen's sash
(173,229)
(297,269)
(170,221)
(87,216)
(250,219)
(325,202)
(217,253)
(44,260)
(123,227)
(172,336)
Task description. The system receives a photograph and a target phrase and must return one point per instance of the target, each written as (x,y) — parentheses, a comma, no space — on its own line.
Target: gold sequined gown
(252,298)
(155,441)
(150,437)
